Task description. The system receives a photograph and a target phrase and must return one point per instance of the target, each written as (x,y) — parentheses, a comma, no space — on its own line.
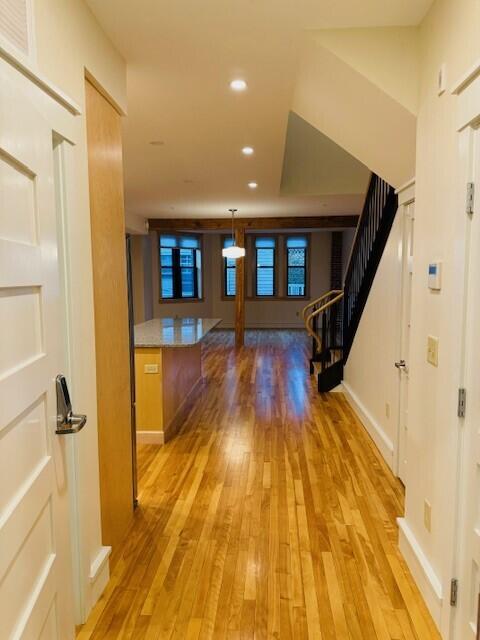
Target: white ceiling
(181,55)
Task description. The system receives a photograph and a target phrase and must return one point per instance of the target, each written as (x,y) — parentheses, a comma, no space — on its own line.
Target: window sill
(280,298)
(179,300)
(268,298)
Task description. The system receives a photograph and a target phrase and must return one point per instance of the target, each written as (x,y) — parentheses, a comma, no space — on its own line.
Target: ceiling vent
(14,24)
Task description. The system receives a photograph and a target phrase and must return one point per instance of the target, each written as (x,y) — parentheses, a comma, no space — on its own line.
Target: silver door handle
(67,421)
(401,364)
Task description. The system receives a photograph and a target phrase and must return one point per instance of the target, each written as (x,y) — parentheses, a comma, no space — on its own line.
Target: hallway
(271,515)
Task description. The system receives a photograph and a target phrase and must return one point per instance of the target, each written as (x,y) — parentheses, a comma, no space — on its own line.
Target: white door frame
(467,89)
(90,557)
(406,197)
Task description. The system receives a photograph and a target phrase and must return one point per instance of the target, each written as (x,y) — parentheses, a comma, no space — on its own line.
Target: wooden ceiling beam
(254,224)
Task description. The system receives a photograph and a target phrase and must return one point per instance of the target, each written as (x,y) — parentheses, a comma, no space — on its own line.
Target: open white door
(35,561)
(402,365)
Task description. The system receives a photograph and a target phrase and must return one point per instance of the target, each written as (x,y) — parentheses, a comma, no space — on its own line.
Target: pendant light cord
(233,213)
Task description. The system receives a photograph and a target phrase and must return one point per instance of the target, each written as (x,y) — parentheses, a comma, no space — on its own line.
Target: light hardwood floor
(270,515)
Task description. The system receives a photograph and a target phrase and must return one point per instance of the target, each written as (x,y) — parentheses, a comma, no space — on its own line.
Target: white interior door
(402,365)
(35,562)
(469,530)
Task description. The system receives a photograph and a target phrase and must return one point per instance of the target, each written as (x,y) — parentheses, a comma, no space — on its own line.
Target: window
(180,267)
(265,266)
(296,247)
(229,272)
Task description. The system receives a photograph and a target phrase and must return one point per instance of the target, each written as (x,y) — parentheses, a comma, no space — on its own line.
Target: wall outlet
(387,409)
(150,368)
(432,350)
(427,515)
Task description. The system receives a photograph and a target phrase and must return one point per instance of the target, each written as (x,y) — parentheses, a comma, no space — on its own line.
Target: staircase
(332,320)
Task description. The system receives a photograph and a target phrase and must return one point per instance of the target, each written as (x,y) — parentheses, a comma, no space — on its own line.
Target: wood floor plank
(270,515)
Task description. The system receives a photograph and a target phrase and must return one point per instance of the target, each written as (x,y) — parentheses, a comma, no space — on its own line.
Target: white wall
(69,40)
(450,35)
(370,377)
(387,56)
(258,313)
(137,225)
(355,113)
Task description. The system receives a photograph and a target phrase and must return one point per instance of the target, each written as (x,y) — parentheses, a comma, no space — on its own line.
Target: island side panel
(148,390)
(182,374)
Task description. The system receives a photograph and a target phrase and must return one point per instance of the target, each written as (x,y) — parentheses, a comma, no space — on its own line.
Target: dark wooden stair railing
(338,311)
(371,237)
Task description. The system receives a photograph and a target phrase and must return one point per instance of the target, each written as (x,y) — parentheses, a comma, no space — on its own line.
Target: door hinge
(462,402)
(470,197)
(453,592)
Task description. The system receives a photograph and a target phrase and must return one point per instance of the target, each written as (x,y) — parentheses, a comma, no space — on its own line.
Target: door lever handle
(67,421)
(401,364)
(71,424)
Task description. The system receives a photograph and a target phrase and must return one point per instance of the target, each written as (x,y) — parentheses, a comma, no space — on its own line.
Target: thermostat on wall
(435,276)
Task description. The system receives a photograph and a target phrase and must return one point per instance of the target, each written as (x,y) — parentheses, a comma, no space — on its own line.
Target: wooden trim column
(240,291)
(107,219)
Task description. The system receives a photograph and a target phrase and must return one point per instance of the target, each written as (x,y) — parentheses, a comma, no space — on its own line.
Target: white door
(35,572)
(469,529)
(402,364)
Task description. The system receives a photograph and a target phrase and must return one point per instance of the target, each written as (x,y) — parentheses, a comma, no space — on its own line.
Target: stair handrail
(317,300)
(316,312)
(361,221)
(371,236)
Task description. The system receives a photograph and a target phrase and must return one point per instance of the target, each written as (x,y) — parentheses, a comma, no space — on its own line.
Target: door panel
(35,573)
(469,531)
(407,266)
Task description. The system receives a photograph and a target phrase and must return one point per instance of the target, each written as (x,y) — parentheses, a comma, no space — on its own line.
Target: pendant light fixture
(233,252)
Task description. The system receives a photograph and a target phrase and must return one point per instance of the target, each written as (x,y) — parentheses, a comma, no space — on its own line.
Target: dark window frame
(177,270)
(306,267)
(226,268)
(274,267)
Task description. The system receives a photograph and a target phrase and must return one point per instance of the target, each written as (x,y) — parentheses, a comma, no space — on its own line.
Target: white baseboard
(425,577)
(374,429)
(150,437)
(99,574)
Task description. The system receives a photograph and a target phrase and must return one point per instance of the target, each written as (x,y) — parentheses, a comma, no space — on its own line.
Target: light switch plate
(150,368)
(432,350)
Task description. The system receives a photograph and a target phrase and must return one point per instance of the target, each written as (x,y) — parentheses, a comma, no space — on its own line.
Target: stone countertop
(173,332)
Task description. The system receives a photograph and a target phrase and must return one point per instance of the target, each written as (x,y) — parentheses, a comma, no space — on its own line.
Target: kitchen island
(168,373)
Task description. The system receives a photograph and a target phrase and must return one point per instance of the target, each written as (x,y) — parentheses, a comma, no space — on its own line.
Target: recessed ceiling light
(247,151)
(238,85)
(253,185)
(157,143)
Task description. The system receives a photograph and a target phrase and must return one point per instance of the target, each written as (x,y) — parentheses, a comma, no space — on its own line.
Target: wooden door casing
(105,169)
